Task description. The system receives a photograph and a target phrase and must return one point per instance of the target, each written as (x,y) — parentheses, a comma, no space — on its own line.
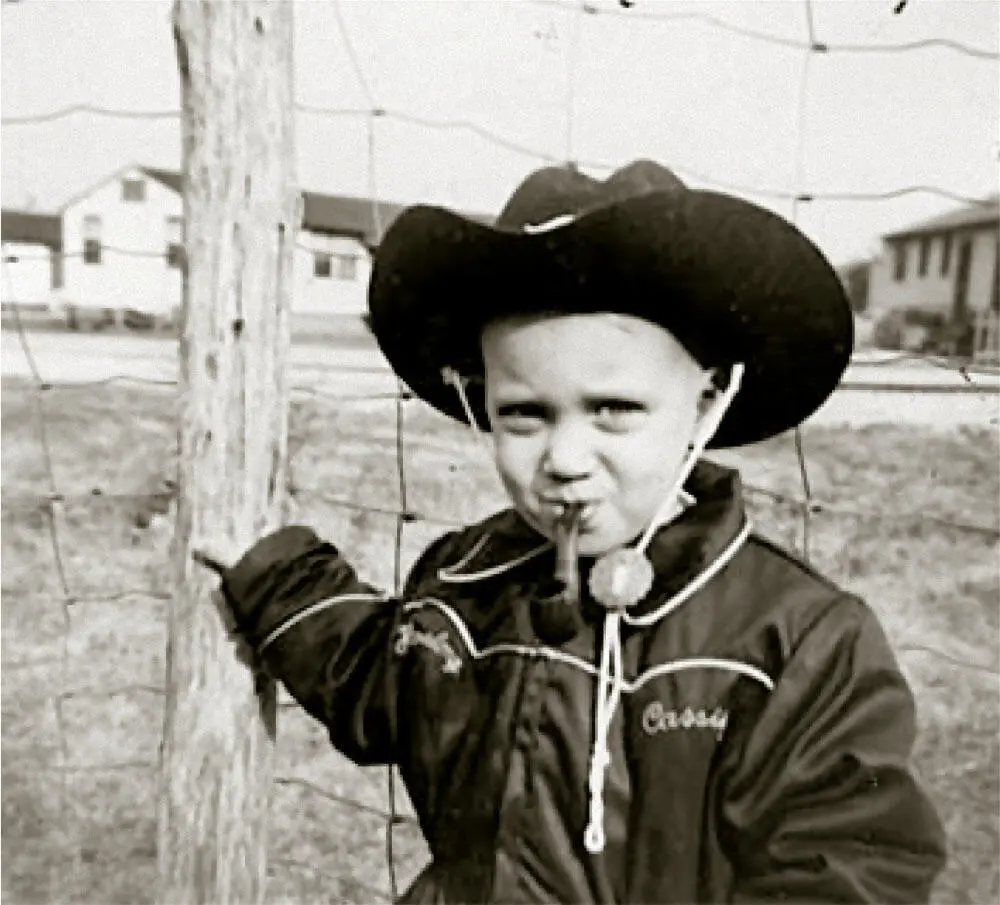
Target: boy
(613,692)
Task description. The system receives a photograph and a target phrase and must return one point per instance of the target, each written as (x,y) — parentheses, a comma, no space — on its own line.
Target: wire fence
(55,504)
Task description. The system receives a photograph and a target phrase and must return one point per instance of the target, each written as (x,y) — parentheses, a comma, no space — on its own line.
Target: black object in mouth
(555,618)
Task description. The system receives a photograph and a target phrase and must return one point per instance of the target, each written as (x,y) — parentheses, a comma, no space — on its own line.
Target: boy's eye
(618,414)
(607,414)
(521,417)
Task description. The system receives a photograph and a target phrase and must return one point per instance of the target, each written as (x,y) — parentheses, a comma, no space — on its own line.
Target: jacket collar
(679,552)
(687,546)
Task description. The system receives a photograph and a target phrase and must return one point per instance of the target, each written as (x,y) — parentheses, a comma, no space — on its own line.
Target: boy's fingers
(207,559)
(217,560)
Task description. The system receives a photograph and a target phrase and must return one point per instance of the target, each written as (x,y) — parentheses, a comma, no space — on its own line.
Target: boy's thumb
(217,557)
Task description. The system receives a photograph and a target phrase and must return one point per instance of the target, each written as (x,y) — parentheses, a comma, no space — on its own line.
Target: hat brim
(730,280)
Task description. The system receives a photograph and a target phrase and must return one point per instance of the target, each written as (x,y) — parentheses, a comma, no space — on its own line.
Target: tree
(241,213)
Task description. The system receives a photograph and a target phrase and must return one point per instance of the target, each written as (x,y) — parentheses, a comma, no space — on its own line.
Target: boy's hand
(217,556)
(220,557)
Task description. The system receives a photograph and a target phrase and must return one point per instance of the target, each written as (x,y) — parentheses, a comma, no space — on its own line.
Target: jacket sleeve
(323,633)
(824,807)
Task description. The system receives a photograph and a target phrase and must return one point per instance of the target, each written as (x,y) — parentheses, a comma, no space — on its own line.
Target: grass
(316,329)
(89,835)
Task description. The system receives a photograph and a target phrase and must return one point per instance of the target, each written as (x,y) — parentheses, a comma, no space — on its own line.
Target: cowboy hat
(731,281)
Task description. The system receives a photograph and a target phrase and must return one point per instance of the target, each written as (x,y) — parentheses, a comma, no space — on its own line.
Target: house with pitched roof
(118,248)
(937,280)
(943,268)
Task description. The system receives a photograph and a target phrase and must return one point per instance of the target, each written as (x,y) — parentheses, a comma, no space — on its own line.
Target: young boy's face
(594,408)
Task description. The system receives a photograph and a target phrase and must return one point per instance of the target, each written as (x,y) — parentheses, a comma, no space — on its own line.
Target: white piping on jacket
(311,610)
(697,583)
(450,574)
(557,656)
(611,681)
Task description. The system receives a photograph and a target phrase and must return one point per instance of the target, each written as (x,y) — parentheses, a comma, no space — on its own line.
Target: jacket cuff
(251,585)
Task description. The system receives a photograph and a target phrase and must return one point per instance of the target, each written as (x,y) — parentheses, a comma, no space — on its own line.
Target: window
(347,267)
(945,253)
(899,263)
(133,190)
(327,265)
(56,269)
(322,265)
(925,253)
(175,242)
(91,239)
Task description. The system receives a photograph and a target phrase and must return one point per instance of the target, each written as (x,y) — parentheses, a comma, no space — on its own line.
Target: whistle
(567,555)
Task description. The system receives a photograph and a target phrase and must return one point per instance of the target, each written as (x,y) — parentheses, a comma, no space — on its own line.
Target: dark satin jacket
(759,747)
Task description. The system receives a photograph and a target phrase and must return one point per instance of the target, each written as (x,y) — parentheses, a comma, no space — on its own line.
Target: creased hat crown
(563,191)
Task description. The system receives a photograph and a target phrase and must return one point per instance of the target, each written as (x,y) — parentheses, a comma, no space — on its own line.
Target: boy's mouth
(556,509)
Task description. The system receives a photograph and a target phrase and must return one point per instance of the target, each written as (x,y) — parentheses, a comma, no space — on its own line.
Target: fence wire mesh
(385,444)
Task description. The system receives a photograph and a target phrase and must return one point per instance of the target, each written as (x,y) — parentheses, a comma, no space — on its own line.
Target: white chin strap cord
(610,675)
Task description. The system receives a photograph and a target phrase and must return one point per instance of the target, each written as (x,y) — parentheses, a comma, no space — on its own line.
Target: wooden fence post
(241,207)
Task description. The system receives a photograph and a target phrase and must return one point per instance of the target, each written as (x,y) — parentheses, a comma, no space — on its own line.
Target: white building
(947,266)
(116,250)
(122,246)
(332,260)
(939,281)
(31,244)
(27,276)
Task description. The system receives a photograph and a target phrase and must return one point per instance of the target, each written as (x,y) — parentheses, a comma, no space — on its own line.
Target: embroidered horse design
(408,636)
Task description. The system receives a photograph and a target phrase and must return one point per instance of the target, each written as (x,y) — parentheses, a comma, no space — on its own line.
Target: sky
(725,111)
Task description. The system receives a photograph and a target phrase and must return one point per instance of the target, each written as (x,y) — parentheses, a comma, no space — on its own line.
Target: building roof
(352,216)
(340,215)
(171,180)
(31,227)
(856,265)
(986,213)
(344,215)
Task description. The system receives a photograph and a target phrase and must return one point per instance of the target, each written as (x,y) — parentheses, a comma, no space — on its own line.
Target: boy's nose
(567,456)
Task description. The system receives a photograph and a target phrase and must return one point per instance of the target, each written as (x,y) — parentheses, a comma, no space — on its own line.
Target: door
(960,308)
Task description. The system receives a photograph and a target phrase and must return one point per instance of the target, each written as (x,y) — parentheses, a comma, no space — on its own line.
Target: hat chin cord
(621,579)
(707,427)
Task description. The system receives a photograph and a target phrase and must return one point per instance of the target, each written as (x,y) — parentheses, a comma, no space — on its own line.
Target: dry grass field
(88,835)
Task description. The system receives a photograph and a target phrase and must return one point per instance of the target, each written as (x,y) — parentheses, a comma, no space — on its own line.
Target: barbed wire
(688,172)
(54,538)
(799,166)
(815,506)
(968,387)
(401,516)
(165,255)
(634,12)
(55,500)
(963,369)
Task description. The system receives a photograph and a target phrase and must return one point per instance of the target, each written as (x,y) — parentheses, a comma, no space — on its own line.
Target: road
(945,398)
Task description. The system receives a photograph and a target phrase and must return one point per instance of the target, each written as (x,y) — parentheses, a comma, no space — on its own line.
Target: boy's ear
(709,391)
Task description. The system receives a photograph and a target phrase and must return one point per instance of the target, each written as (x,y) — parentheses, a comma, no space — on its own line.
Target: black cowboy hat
(731,281)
